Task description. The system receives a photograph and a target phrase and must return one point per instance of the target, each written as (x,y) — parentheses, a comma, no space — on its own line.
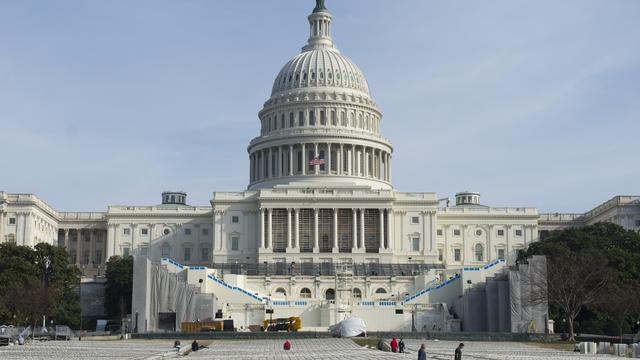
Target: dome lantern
(320,28)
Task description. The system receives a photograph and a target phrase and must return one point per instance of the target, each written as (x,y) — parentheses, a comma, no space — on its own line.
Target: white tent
(349,327)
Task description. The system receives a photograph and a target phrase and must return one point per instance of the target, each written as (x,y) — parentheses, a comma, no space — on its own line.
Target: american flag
(316,161)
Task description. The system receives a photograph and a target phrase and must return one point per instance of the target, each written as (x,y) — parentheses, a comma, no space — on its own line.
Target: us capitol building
(320,197)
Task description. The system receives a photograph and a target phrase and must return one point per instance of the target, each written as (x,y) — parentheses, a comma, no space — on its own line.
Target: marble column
(296,238)
(289,229)
(335,231)
(489,244)
(92,246)
(270,229)
(304,162)
(425,233)
(463,230)
(362,231)
(263,240)
(381,236)
(316,168)
(354,237)
(134,238)
(66,239)
(223,234)
(270,164)
(316,248)
(290,160)
(327,155)
(379,173)
(340,158)
(279,162)
(78,245)
(507,254)
(391,228)
(365,161)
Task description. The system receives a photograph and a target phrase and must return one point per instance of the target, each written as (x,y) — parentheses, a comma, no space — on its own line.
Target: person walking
(458,353)
(394,345)
(422,354)
(401,346)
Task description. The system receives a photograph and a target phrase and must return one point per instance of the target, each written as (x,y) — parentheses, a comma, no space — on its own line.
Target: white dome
(324,67)
(320,125)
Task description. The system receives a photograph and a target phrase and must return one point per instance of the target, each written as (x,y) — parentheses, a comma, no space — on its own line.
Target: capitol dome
(320,68)
(320,125)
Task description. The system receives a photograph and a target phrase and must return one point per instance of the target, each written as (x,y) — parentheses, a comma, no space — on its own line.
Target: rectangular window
(204,254)
(312,118)
(637,222)
(235,219)
(144,251)
(334,120)
(440,255)
(501,254)
(456,232)
(282,121)
(187,254)
(500,232)
(518,232)
(415,220)
(125,252)
(456,255)
(144,231)
(323,119)
(187,231)
(292,122)
(12,221)
(235,243)
(439,232)
(205,231)
(126,231)
(300,118)
(415,244)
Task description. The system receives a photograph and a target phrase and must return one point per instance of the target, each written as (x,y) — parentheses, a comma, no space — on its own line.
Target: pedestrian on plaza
(401,346)
(287,345)
(394,345)
(176,344)
(422,354)
(458,353)
(195,346)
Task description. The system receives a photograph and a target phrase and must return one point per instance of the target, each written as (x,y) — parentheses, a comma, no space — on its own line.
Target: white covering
(349,327)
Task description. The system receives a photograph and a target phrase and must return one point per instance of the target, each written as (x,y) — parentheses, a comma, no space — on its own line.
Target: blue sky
(531,103)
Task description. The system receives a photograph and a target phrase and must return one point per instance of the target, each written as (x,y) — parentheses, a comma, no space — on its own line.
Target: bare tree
(575,281)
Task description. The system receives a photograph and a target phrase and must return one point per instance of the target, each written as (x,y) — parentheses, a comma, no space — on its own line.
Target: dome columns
(319,159)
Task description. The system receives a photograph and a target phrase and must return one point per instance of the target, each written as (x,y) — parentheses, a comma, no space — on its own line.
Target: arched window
(357,293)
(381,291)
(281,292)
(330,294)
(305,293)
(166,250)
(479,250)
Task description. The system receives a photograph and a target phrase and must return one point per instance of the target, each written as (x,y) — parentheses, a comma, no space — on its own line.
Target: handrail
(213,278)
(451,280)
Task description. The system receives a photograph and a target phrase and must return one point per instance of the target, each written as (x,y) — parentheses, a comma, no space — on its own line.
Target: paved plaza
(343,349)
(74,349)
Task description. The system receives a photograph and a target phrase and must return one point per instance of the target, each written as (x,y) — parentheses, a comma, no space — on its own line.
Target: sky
(532,103)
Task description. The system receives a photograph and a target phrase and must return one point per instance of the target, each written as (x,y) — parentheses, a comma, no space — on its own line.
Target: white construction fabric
(350,327)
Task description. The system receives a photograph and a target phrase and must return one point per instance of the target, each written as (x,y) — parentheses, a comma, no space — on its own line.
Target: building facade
(320,197)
